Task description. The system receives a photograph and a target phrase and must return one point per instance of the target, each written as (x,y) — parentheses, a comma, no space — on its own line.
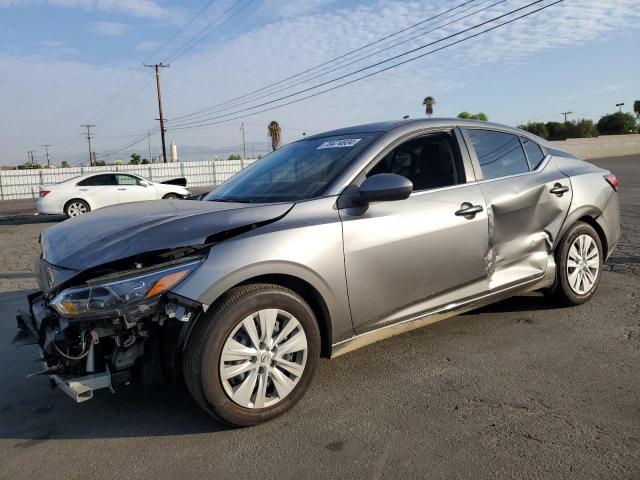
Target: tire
(576,288)
(76,207)
(210,351)
(171,196)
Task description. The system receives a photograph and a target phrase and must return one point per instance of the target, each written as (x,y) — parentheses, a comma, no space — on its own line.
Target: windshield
(297,171)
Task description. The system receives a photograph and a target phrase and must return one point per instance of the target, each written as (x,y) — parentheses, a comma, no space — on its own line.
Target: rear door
(131,190)
(100,190)
(407,257)
(527,202)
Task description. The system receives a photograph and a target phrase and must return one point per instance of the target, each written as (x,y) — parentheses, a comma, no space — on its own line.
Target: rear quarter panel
(592,197)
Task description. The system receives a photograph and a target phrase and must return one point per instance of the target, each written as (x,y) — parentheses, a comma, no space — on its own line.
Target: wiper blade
(231,200)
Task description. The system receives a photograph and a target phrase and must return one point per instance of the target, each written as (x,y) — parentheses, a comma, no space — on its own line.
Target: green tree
(617,123)
(145,161)
(234,156)
(100,163)
(275,133)
(135,159)
(475,116)
(537,128)
(64,164)
(636,109)
(428,103)
(584,129)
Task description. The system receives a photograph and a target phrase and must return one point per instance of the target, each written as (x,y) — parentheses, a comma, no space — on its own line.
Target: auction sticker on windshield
(345,142)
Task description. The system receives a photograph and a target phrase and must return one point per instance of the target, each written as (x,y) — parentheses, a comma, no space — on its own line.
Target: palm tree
(636,108)
(429,102)
(274,133)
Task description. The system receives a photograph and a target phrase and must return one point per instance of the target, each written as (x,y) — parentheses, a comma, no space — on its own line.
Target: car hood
(123,231)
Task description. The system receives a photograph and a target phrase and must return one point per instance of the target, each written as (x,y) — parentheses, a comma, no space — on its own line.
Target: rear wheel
(76,207)
(252,357)
(579,264)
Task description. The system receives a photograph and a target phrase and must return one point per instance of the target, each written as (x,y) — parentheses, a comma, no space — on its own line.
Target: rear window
(534,152)
(98,180)
(500,154)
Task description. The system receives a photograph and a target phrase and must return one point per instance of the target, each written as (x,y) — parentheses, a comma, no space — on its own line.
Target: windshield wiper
(231,200)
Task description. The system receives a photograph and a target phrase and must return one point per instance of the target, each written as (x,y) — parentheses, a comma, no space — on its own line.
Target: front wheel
(253,355)
(171,196)
(579,260)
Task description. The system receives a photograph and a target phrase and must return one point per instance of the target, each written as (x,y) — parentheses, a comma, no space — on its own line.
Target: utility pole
(89,136)
(565,115)
(31,157)
(620,106)
(244,145)
(46,147)
(157,68)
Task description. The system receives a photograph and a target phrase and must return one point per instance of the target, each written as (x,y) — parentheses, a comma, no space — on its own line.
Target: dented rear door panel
(525,218)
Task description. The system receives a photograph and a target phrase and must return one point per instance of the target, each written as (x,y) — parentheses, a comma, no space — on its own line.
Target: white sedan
(96,190)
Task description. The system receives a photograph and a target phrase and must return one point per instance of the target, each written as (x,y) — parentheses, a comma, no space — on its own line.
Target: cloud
(148,46)
(109,28)
(56,48)
(137,8)
(288,44)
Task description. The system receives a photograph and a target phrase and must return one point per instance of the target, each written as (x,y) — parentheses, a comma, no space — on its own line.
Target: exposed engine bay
(113,324)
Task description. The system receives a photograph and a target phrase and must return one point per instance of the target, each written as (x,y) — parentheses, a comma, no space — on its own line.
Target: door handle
(559,189)
(122,189)
(468,210)
(83,189)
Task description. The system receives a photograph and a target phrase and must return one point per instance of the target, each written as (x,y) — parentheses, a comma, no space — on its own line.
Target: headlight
(130,296)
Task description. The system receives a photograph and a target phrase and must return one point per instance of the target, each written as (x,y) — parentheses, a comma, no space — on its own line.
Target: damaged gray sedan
(326,245)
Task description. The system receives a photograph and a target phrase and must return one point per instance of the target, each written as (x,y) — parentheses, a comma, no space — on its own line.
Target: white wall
(601,147)
(24,183)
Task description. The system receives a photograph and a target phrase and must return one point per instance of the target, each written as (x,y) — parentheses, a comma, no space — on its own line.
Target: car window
(500,154)
(98,180)
(533,151)
(127,180)
(297,171)
(431,161)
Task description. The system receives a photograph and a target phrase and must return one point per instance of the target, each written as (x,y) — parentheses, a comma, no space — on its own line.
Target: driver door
(130,189)
(404,258)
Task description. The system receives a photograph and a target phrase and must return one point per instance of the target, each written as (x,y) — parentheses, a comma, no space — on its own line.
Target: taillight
(44,193)
(613,181)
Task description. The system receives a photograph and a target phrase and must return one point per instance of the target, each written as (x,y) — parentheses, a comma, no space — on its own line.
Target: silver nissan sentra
(325,245)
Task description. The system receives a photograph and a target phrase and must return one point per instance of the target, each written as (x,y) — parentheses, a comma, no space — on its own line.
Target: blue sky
(67,62)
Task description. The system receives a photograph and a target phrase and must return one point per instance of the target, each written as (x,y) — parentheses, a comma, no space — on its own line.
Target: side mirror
(385,187)
(143,183)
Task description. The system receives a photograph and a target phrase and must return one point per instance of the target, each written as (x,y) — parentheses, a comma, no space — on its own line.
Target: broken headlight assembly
(131,296)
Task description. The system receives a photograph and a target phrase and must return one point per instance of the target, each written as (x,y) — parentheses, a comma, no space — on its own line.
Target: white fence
(24,183)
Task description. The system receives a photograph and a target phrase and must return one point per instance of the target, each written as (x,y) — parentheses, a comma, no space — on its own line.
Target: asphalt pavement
(520,389)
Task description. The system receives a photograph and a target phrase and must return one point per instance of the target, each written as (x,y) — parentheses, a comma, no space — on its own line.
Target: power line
(195,41)
(199,122)
(158,50)
(321,74)
(333,60)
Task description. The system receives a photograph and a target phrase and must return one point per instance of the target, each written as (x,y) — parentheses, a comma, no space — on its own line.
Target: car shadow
(31,413)
(31,219)
(523,303)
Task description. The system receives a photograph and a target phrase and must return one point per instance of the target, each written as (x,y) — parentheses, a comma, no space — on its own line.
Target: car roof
(414,123)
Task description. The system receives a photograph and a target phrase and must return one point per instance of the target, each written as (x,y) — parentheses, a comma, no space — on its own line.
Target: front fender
(306,244)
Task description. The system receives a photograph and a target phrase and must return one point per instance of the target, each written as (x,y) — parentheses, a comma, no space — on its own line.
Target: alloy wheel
(263,358)
(76,208)
(583,264)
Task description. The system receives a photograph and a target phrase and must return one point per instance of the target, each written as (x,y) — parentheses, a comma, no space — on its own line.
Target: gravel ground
(515,390)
